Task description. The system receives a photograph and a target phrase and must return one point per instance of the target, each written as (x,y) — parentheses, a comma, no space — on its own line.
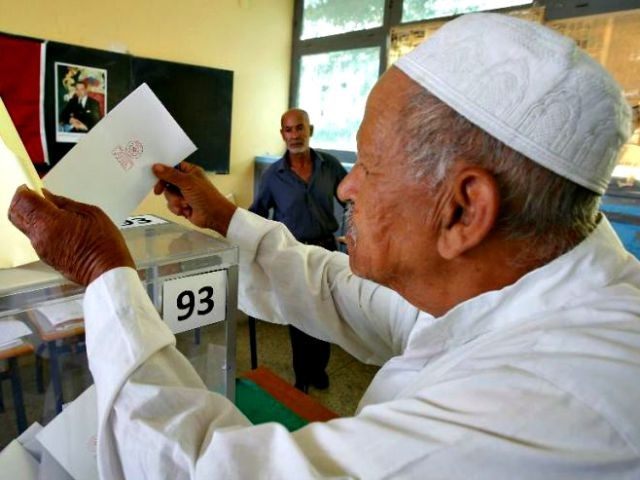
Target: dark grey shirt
(305,208)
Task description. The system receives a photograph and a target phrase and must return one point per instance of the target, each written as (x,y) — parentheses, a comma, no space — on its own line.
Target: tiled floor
(348,377)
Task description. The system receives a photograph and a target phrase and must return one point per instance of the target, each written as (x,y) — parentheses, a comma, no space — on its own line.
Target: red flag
(21,83)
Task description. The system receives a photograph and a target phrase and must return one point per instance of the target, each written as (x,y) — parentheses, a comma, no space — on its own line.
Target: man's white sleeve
(284,281)
(157,420)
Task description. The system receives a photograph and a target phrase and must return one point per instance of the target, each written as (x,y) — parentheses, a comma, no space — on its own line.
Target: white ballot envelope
(70,437)
(111,166)
(17,169)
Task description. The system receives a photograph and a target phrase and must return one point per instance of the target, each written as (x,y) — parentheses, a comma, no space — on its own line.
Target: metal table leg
(55,374)
(21,417)
(40,368)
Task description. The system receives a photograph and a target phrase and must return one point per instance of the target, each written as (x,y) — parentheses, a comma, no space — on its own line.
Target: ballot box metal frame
(162,251)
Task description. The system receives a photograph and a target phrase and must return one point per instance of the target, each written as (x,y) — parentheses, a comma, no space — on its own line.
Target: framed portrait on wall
(69,71)
(80,99)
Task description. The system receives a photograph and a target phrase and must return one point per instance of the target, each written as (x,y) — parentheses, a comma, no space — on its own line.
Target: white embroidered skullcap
(529,87)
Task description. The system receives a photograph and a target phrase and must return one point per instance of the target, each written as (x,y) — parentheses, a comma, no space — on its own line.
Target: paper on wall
(17,169)
(111,166)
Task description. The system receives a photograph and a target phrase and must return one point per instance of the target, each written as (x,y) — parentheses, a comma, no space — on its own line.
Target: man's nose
(348,187)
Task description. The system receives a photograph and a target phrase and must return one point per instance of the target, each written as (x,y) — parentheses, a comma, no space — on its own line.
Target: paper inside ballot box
(17,170)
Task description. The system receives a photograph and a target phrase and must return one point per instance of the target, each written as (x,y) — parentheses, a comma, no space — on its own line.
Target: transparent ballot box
(191,279)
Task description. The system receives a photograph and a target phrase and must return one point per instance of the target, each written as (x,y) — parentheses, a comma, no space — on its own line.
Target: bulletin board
(610,38)
(404,38)
(613,39)
(40,81)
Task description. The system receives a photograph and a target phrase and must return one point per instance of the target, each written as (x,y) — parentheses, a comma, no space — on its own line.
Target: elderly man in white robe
(500,304)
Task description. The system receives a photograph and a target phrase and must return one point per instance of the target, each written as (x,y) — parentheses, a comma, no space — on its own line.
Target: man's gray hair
(551,212)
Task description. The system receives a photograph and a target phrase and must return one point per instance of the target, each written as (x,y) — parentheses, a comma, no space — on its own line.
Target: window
(341,47)
(333,89)
(413,10)
(330,17)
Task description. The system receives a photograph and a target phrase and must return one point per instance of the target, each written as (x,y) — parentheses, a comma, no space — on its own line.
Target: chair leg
(18,402)
(39,373)
(253,343)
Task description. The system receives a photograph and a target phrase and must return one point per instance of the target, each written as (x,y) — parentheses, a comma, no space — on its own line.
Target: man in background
(300,188)
(81,112)
(635,136)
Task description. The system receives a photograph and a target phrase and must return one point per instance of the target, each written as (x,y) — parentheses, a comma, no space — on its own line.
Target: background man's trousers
(310,355)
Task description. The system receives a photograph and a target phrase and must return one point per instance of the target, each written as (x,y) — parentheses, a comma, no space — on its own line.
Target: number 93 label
(194,301)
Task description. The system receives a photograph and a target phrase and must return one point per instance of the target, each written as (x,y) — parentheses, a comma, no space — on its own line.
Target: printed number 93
(186,301)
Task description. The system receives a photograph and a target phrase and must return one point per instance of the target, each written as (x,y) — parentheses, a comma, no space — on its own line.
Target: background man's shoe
(303,387)
(321,382)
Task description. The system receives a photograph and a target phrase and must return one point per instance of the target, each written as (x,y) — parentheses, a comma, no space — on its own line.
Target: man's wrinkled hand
(190,194)
(76,239)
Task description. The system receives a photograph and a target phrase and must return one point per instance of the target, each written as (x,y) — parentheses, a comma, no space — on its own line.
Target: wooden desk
(11,355)
(16,351)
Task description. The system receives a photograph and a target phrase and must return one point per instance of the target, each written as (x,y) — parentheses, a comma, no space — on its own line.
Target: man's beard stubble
(350,227)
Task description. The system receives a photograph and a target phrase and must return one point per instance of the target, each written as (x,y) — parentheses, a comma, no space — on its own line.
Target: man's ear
(311,130)
(470,211)
(282,134)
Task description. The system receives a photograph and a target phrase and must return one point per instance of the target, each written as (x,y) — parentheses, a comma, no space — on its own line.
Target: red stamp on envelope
(126,155)
(135,148)
(92,445)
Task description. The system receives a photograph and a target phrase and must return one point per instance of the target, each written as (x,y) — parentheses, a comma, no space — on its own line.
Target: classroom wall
(250,37)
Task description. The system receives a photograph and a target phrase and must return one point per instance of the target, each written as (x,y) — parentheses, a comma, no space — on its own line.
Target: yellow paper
(17,169)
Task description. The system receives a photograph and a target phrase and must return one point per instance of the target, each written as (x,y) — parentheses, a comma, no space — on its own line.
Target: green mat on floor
(260,407)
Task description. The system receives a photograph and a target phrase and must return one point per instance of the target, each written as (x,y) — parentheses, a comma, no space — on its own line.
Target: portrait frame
(73,120)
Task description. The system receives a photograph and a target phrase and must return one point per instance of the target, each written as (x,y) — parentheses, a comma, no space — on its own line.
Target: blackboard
(199,99)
